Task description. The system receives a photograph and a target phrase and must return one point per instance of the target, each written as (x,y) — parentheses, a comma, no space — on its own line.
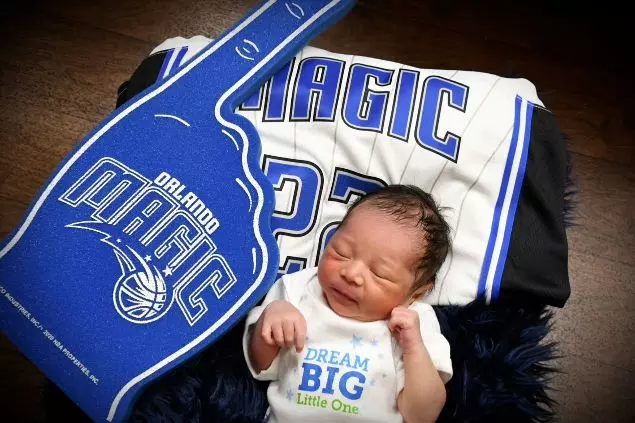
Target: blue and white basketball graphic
(140,296)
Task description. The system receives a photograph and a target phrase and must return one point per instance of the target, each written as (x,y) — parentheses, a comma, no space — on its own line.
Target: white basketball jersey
(334,126)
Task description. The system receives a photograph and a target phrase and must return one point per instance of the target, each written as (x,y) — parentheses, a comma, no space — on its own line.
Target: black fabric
(502,363)
(536,268)
(144,76)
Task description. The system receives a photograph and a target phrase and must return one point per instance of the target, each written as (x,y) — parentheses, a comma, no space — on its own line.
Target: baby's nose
(353,272)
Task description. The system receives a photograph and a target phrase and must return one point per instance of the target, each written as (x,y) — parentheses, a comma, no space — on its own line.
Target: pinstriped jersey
(335,126)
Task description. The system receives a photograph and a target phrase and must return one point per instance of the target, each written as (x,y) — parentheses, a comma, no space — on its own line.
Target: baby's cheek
(380,304)
(326,268)
(394,298)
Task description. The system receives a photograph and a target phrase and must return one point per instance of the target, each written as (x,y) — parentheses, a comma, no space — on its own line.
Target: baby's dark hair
(411,203)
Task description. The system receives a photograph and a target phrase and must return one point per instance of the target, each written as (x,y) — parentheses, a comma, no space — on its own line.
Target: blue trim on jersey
(166,69)
(498,276)
(482,285)
(178,62)
(164,65)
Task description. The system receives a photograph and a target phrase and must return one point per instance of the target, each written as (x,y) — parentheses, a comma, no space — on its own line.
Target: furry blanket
(501,372)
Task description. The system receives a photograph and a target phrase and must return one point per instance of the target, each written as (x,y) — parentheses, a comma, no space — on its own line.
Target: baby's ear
(421,291)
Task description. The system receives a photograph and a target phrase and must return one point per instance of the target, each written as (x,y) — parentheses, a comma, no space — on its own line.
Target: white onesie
(348,370)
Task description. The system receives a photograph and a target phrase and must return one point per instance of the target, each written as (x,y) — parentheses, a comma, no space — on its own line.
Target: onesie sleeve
(434,341)
(277,292)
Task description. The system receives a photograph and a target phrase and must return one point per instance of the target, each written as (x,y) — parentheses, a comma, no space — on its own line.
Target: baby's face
(369,265)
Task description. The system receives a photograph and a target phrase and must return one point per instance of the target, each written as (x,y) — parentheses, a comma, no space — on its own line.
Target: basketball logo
(140,295)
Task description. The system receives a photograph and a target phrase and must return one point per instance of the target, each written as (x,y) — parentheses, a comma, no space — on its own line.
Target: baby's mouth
(343,295)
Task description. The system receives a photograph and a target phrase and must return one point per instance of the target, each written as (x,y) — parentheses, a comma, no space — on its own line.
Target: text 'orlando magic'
(160,234)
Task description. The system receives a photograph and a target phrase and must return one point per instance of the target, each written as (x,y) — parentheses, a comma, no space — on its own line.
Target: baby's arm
(423,395)
(280,325)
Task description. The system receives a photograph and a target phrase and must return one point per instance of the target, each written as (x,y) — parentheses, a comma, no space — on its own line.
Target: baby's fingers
(402,318)
(395,323)
(278,334)
(289,332)
(300,334)
(266,334)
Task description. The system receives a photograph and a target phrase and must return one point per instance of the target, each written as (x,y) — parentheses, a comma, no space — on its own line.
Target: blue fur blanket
(501,372)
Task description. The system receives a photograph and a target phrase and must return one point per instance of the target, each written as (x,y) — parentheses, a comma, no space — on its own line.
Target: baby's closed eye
(340,252)
(381,274)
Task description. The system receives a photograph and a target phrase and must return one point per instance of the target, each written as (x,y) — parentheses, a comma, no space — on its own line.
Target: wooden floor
(62,62)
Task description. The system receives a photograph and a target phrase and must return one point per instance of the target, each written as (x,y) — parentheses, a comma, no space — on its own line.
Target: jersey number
(305,180)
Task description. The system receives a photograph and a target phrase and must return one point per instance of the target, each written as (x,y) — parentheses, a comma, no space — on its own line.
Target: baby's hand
(404,325)
(283,325)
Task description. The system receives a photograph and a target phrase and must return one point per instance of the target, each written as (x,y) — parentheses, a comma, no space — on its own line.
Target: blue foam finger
(153,237)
